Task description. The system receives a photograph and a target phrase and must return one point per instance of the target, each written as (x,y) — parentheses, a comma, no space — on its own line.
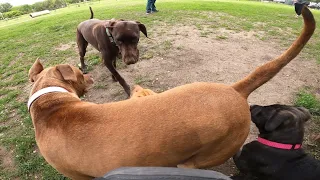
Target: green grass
(140,80)
(307,99)
(25,39)
(314,146)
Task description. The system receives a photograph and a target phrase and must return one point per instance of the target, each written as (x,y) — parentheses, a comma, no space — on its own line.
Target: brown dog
(196,125)
(111,37)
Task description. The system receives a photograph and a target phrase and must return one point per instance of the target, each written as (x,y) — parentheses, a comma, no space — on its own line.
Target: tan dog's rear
(195,125)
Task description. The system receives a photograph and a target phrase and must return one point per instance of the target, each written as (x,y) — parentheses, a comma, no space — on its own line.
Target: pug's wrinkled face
(280,123)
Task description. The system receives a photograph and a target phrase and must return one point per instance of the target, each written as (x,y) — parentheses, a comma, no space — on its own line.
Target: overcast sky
(19,2)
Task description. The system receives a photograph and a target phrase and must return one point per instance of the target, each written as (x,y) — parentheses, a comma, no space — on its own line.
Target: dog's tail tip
(91,17)
(306,13)
(308,17)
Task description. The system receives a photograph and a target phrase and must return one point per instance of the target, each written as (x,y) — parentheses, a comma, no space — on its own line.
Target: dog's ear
(277,120)
(35,69)
(142,28)
(66,72)
(111,24)
(258,115)
(261,114)
(306,113)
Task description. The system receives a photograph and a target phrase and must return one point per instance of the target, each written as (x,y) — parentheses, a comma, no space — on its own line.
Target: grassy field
(25,39)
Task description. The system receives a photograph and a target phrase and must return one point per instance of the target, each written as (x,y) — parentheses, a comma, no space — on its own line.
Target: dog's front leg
(83,65)
(114,63)
(82,47)
(109,63)
(241,161)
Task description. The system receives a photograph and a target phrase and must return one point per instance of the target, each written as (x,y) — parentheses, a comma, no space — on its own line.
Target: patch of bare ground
(63,47)
(181,54)
(6,159)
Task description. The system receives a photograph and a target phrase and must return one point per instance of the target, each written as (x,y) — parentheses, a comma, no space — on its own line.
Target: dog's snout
(131,60)
(88,78)
(130,54)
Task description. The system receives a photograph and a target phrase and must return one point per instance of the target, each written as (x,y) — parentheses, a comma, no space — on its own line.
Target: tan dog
(195,125)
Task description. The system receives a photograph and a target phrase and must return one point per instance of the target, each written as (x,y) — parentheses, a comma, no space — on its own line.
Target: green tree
(5,7)
(38,6)
(25,9)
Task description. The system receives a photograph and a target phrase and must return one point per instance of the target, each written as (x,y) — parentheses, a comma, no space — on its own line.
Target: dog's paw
(84,69)
(138,91)
(187,165)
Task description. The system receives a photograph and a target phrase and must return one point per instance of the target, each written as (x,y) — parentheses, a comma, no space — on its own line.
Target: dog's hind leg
(82,46)
(209,155)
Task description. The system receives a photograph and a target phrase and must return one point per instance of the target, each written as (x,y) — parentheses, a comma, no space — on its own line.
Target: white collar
(44,91)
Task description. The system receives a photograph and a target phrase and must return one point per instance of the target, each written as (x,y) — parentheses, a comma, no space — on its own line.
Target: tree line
(8,11)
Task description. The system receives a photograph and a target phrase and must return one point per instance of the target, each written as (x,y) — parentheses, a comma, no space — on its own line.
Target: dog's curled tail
(267,71)
(91,17)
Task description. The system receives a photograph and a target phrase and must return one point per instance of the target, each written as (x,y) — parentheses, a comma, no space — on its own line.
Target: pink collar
(278,145)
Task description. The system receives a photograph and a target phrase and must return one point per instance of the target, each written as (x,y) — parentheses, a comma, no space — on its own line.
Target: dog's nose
(130,61)
(88,78)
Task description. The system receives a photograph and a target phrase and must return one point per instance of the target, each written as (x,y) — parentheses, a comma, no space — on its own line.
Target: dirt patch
(63,47)
(6,159)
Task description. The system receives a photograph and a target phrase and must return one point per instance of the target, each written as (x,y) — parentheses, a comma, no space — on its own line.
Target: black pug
(277,154)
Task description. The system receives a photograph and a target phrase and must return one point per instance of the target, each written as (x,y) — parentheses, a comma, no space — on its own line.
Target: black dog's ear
(306,113)
(142,28)
(255,110)
(277,120)
(261,114)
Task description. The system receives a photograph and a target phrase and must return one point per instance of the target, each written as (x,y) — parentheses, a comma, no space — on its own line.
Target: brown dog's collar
(111,37)
(43,91)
